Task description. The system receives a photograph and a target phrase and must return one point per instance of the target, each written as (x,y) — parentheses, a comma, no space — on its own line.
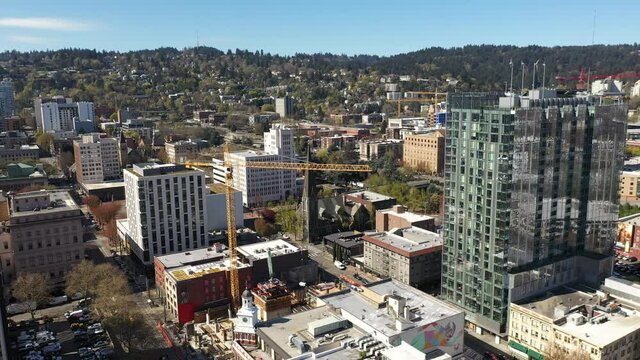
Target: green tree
(44,141)
(268,108)
(289,222)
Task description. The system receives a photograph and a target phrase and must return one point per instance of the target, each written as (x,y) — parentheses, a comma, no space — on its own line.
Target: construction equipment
(231,213)
(434,97)
(585,77)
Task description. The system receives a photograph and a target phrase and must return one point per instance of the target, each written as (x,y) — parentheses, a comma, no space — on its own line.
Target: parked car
(58,300)
(339,265)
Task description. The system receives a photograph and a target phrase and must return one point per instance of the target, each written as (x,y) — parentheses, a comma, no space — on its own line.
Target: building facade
(412,255)
(143,127)
(284,106)
(7,105)
(399,217)
(279,141)
(166,209)
(29,152)
(425,152)
(260,186)
(531,198)
(574,323)
(181,151)
(45,234)
(372,150)
(58,113)
(629,189)
(97,159)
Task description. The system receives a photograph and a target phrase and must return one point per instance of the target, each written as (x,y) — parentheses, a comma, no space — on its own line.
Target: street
(328,271)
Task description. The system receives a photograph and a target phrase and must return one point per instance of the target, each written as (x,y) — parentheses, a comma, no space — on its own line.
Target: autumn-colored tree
(106,212)
(130,328)
(31,289)
(264,228)
(91,201)
(162,155)
(558,352)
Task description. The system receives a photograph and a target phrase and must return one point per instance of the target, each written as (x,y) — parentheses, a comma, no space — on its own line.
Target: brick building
(425,152)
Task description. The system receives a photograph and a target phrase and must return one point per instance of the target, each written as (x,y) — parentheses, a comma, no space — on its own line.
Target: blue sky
(290,26)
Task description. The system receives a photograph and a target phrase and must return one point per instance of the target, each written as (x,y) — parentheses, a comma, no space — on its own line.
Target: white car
(339,265)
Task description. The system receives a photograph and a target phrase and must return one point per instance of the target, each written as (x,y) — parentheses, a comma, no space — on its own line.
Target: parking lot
(64,332)
(627,267)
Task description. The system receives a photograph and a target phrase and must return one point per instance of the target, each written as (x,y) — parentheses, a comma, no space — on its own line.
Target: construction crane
(231,211)
(583,78)
(435,96)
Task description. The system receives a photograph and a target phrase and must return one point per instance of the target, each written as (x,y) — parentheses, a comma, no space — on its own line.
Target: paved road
(481,347)
(328,271)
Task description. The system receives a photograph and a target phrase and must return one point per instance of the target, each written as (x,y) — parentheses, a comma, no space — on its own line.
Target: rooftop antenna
(533,79)
(511,83)
(544,73)
(522,86)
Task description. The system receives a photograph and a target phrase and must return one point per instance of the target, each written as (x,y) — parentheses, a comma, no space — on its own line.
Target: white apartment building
(260,186)
(165,209)
(279,141)
(97,159)
(58,113)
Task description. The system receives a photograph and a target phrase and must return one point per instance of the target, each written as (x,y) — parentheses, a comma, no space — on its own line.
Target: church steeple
(246,319)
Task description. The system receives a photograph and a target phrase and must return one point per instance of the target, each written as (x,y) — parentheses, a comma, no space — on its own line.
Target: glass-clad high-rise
(531,197)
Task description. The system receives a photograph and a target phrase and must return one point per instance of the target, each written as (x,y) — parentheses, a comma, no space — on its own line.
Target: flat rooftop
(153,169)
(619,323)
(427,308)
(408,240)
(193,256)
(259,250)
(61,201)
(279,330)
(346,238)
(190,272)
(407,215)
(103,185)
(369,195)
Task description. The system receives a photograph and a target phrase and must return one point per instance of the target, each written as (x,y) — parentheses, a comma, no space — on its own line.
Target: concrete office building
(143,127)
(284,106)
(165,208)
(97,159)
(411,255)
(46,231)
(181,151)
(7,105)
(629,187)
(425,152)
(531,198)
(567,320)
(260,186)
(58,113)
(279,141)
(170,209)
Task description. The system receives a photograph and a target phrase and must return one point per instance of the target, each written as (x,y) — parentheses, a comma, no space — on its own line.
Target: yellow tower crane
(231,211)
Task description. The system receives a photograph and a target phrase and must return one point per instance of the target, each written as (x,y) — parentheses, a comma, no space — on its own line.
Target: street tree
(558,352)
(31,289)
(129,328)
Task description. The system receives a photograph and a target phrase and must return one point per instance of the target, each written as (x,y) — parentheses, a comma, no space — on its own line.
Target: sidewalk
(489,340)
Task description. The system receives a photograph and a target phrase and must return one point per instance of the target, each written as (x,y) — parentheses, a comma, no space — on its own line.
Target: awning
(535,355)
(518,346)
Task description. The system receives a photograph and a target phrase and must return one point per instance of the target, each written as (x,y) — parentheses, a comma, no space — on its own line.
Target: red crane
(583,77)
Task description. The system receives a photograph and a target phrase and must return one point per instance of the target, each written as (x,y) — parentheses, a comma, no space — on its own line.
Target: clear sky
(290,26)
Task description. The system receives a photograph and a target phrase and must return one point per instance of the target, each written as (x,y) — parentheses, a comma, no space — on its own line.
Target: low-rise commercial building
(161,264)
(290,263)
(143,127)
(629,187)
(203,287)
(573,322)
(337,141)
(411,255)
(372,150)
(344,245)
(181,151)
(399,217)
(425,152)
(12,138)
(28,152)
(21,176)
